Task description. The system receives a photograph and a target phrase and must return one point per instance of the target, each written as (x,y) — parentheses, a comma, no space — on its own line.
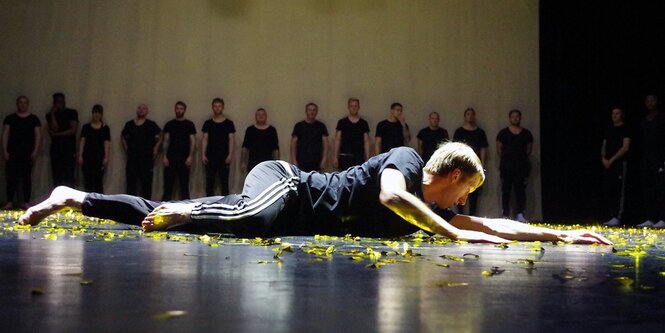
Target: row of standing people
(143,139)
(616,145)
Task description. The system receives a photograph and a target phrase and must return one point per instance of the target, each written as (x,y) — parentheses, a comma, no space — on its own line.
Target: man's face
(261,117)
(515,119)
(617,116)
(22,104)
(217,108)
(396,111)
(434,120)
(470,116)
(651,102)
(311,111)
(456,192)
(179,111)
(354,107)
(142,111)
(59,103)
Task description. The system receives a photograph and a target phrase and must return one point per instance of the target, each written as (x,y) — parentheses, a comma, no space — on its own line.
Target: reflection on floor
(74,275)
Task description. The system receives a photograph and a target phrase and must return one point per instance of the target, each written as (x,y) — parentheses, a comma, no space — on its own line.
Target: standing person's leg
(56,165)
(131,176)
(520,193)
(183,179)
(506,188)
(87,171)
(169,178)
(146,174)
(26,177)
(620,189)
(69,169)
(210,174)
(224,171)
(98,179)
(649,194)
(12,171)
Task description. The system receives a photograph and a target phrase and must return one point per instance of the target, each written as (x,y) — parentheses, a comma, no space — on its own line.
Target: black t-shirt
(431,140)
(310,140)
(514,157)
(218,138)
(391,135)
(353,137)
(476,139)
(260,143)
(64,118)
(140,139)
(93,149)
(614,140)
(21,141)
(348,201)
(179,144)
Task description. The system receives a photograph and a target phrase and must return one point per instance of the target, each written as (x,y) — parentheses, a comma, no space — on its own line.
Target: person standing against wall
(62,126)
(94,149)
(21,142)
(179,145)
(513,145)
(217,148)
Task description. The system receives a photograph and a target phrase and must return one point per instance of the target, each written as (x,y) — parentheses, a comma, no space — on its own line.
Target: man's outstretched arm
(513,230)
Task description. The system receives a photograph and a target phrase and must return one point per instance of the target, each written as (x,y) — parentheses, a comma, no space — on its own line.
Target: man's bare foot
(168,215)
(61,197)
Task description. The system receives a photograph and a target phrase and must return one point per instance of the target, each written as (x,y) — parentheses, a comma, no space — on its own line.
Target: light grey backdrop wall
(276,54)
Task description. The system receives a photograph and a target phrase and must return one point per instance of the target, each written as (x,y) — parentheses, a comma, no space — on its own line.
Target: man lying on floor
(390,195)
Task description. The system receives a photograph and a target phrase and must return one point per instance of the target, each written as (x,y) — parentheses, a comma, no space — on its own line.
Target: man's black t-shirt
(476,139)
(260,143)
(431,139)
(310,141)
(140,139)
(179,132)
(218,138)
(22,138)
(353,137)
(614,140)
(63,144)
(514,157)
(391,135)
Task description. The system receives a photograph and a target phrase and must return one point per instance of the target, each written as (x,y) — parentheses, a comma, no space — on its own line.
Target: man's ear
(455,175)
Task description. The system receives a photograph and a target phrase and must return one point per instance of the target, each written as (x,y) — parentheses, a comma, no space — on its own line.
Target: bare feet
(61,197)
(168,215)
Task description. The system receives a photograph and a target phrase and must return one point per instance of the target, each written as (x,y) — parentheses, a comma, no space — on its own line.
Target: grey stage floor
(73,275)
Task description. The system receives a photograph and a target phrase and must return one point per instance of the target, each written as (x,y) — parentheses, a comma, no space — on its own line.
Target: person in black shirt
(351,138)
(392,132)
(391,194)
(260,142)
(431,136)
(179,144)
(93,153)
(613,150)
(217,147)
(309,141)
(141,139)
(21,140)
(652,164)
(475,137)
(62,126)
(513,145)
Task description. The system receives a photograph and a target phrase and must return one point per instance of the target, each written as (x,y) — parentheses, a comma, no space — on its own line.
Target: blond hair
(456,155)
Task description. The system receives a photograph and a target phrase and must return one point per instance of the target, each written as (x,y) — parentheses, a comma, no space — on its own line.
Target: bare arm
(38,143)
(324,153)
(5,141)
(158,143)
(419,147)
(232,147)
(79,155)
(366,140)
(166,138)
(244,157)
(529,148)
(192,150)
(513,230)
(483,155)
(406,133)
(107,152)
(377,145)
(622,151)
(394,196)
(336,145)
(499,148)
(204,148)
(275,154)
(292,150)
